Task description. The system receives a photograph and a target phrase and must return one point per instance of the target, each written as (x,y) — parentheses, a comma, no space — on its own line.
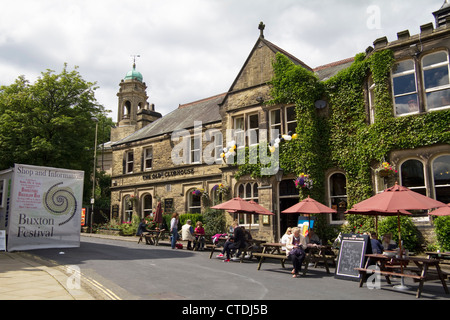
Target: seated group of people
(386,243)
(197,235)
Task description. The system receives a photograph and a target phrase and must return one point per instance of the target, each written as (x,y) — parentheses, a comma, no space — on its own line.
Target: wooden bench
(262,256)
(417,278)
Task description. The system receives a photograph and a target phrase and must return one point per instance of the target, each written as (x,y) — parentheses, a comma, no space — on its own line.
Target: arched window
(128,206)
(338,196)
(147,203)
(441,178)
(412,176)
(127,109)
(194,202)
(248,191)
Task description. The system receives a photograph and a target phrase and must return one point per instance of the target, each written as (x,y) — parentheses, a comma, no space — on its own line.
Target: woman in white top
(174,229)
(285,237)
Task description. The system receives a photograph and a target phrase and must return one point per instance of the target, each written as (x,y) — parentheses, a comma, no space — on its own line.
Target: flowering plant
(303,181)
(220,188)
(198,192)
(132,200)
(386,169)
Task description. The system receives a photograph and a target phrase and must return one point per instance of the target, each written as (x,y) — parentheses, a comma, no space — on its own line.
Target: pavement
(24,276)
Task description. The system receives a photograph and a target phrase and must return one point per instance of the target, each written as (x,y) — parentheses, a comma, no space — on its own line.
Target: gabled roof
(295,60)
(205,110)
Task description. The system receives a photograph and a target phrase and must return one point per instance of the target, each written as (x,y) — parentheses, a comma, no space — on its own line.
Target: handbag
(297,251)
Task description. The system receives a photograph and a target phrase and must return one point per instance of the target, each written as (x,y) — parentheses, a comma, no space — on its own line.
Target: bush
(194,217)
(214,222)
(442,229)
(409,231)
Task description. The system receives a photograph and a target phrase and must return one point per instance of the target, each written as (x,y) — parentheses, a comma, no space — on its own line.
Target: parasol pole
(376,225)
(401,286)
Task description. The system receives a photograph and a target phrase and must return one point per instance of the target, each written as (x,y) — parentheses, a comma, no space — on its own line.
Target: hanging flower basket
(303,181)
(220,189)
(386,170)
(132,200)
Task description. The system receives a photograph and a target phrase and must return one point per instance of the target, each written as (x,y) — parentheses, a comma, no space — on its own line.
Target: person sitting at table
(235,242)
(376,244)
(142,227)
(295,250)
(187,233)
(200,236)
(313,237)
(387,242)
(285,237)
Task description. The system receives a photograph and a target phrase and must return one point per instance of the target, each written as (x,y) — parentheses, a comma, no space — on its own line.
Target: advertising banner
(45,208)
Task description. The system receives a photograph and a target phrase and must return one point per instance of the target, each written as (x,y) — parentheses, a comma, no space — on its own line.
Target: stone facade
(144,164)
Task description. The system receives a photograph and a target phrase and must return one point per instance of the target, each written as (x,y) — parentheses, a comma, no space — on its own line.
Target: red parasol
(394,201)
(309,206)
(442,211)
(158,218)
(239,205)
(398,198)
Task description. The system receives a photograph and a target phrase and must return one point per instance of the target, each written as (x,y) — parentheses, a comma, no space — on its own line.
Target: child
(200,236)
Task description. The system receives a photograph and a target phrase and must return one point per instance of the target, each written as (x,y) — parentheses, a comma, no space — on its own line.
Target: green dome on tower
(134,75)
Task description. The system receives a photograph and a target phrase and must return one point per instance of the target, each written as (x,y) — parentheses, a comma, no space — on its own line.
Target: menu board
(351,255)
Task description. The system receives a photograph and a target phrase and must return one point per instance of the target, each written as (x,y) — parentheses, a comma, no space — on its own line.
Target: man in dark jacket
(237,241)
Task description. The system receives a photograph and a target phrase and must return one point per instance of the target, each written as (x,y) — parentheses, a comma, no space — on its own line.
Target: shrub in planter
(409,231)
(442,229)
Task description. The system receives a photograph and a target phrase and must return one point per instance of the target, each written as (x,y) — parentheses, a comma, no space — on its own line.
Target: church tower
(134,112)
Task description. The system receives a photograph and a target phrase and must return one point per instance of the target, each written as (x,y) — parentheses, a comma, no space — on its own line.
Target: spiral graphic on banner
(60,201)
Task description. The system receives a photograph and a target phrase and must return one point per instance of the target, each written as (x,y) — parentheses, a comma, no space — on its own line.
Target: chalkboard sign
(168,205)
(351,255)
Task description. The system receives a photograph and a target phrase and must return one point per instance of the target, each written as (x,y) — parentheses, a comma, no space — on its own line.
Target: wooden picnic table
(271,250)
(314,254)
(401,267)
(438,255)
(153,236)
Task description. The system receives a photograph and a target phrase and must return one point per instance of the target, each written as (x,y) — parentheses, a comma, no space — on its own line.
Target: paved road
(137,271)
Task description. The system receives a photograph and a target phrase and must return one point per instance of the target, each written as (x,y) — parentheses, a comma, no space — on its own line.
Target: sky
(189,49)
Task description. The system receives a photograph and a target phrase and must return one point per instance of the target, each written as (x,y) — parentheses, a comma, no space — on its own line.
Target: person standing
(174,229)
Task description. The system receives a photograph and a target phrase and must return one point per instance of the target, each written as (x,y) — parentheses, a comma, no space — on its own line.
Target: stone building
(178,158)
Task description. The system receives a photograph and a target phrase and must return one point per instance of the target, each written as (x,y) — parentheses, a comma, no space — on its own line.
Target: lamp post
(278,177)
(93,173)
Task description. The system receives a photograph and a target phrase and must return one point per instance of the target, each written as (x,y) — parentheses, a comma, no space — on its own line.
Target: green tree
(49,122)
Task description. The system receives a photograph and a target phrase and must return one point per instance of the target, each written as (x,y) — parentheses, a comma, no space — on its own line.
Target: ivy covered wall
(343,138)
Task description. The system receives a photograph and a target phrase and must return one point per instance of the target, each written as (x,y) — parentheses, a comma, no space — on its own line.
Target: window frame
(331,197)
(395,75)
(147,158)
(248,219)
(438,88)
(129,164)
(436,186)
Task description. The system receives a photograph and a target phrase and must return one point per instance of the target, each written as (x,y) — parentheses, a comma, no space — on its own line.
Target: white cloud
(190,49)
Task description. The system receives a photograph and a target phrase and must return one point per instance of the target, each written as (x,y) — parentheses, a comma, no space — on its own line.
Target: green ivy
(344,139)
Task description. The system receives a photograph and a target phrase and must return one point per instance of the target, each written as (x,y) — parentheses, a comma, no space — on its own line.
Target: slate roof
(205,110)
(327,71)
